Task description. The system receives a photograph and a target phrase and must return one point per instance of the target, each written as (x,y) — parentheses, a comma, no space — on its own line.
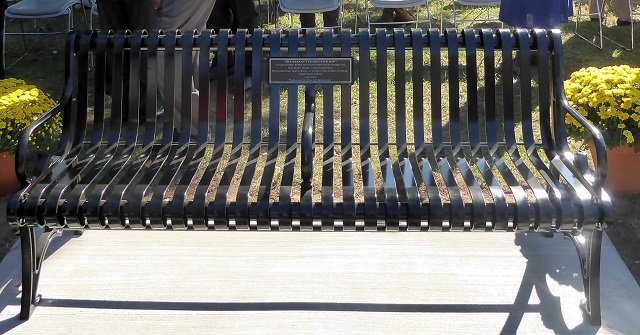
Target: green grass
(44,63)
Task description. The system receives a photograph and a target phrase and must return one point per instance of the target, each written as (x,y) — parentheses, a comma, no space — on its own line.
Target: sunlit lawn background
(43,65)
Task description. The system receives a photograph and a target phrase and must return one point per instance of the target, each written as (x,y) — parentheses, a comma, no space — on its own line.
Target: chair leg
(33,253)
(24,43)
(4,37)
(600,23)
(24,38)
(589,247)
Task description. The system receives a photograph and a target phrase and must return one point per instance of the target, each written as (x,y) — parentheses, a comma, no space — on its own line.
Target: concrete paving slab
(132,282)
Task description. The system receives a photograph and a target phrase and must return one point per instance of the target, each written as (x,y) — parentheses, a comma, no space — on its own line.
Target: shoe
(623,23)
(402,15)
(387,16)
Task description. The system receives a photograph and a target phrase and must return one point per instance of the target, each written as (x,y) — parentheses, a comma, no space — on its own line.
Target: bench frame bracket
(33,254)
(588,243)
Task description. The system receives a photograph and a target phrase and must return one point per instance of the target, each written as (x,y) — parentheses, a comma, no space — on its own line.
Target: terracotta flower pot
(9,182)
(623,164)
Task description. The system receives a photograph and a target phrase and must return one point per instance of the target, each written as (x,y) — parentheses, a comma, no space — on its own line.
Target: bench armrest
(560,131)
(21,152)
(599,144)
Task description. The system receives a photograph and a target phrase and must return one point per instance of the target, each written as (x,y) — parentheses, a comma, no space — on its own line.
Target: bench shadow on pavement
(542,263)
(10,281)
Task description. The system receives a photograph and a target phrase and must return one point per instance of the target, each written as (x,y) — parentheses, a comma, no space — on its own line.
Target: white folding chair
(617,42)
(310,6)
(38,9)
(634,12)
(413,4)
(579,14)
(485,5)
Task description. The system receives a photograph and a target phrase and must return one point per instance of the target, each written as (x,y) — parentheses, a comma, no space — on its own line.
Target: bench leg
(33,253)
(589,246)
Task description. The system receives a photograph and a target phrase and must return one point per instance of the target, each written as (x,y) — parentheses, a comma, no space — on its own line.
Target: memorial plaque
(311,70)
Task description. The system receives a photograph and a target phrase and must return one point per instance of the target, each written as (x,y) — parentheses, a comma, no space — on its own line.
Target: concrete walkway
(132,282)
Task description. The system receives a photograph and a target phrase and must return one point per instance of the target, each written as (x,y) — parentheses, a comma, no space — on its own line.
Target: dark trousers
(330,19)
(125,14)
(234,15)
(133,15)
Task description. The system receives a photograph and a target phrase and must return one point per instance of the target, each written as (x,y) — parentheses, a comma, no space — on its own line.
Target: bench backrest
(458,83)
(415,95)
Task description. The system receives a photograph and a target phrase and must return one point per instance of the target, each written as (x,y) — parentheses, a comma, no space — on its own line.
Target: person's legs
(622,11)
(111,18)
(141,15)
(331,18)
(186,15)
(110,14)
(593,8)
(387,16)
(307,20)
(126,14)
(222,17)
(245,15)
(402,15)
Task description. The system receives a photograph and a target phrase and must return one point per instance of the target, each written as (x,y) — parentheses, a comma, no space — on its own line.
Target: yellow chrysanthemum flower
(20,105)
(609,97)
(629,136)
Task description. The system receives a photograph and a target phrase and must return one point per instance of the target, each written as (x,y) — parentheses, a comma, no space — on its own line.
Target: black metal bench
(423,132)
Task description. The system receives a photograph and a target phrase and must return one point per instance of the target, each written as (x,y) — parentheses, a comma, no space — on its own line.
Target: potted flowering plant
(609,97)
(20,105)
